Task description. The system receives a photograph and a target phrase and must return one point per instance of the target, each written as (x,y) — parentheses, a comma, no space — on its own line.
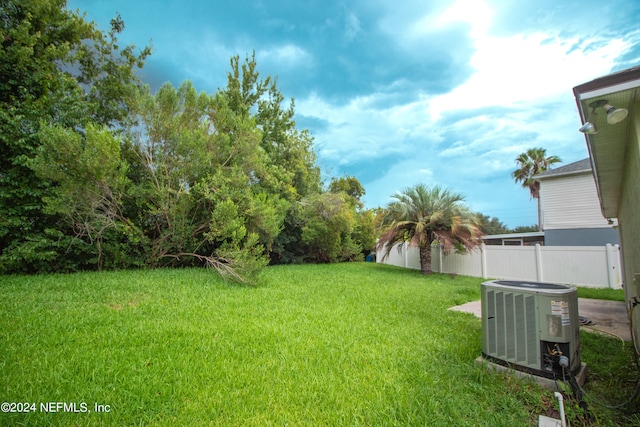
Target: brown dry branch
(223,266)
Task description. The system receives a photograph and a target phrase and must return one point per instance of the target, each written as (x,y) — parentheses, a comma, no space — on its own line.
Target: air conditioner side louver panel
(511,332)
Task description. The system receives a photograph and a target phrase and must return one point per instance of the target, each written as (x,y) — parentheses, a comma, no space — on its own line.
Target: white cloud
(361,129)
(413,27)
(287,55)
(526,80)
(517,94)
(523,68)
(400,176)
(352,27)
(474,12)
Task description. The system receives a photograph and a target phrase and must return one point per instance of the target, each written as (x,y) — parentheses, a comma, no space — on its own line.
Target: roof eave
(612,85)
(615,82)
(562,174)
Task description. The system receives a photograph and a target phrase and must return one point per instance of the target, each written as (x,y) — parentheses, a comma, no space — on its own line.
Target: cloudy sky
(404,92)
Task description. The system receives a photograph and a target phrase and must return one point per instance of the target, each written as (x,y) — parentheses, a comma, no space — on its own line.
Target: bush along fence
(586,266)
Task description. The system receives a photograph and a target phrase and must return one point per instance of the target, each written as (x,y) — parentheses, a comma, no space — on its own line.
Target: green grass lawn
(313,345)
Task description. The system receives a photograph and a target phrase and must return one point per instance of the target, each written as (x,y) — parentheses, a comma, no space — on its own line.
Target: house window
(511,242)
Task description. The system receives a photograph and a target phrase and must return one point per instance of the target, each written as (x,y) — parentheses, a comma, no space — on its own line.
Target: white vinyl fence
(587,266)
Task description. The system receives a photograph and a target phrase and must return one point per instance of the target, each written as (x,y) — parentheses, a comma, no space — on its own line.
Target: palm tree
(423,215)
(531,163)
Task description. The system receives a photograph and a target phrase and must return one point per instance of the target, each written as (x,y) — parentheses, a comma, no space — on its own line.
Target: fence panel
(469,264)
(401,255)
(395,257)
(511,262)
(589,266)
(575,265)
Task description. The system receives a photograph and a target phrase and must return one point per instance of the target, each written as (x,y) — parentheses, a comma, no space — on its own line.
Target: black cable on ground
(585,321)
(631,399)
(578,393)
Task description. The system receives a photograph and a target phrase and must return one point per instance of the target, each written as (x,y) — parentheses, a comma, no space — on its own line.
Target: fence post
(440,256)
(613,265)
(483,260)
(405,251)
(539,273)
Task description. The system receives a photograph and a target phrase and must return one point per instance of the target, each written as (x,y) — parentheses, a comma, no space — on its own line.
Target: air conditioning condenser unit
(531,326)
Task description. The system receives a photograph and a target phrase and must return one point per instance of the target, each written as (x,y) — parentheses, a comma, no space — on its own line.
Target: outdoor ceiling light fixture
(588,128)
(614,115)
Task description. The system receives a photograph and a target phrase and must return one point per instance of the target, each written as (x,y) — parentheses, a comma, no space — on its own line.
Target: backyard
(338,344)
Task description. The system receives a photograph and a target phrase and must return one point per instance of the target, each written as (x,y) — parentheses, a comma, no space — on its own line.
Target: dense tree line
(492,225)
(98,172)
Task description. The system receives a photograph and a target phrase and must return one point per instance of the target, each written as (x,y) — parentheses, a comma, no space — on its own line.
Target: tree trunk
(425,259)
(539,214)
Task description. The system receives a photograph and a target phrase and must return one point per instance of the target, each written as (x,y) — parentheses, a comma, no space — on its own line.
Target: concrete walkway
(609,317)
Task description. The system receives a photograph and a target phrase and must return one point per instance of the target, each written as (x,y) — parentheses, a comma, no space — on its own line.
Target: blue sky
(406,92)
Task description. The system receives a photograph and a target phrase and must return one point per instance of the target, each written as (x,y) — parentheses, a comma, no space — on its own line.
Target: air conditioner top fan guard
(532,286)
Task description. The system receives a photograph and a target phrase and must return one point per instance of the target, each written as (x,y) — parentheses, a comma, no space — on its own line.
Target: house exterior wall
(629,216)
(582,237)
(570,202)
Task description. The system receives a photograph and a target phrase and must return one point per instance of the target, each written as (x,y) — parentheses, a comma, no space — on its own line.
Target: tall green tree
(350,186)
(205,189)
(525,229)
(328,220)
(530,163)
(423,215)
(56,69)
(327,226)
(169,153)
(363,231)
(491,225)
(90,179)
(295,175)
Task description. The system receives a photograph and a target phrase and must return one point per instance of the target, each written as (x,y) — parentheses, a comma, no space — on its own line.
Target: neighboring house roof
(581,166)
(607,147)
(525,239)
(513,235)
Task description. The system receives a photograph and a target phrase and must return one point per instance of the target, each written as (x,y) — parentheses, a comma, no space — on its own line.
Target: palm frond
(531,163)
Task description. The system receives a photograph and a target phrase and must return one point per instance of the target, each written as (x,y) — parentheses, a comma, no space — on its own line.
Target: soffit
(607,147)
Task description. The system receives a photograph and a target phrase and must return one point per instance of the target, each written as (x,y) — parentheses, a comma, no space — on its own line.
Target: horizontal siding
(570,202)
